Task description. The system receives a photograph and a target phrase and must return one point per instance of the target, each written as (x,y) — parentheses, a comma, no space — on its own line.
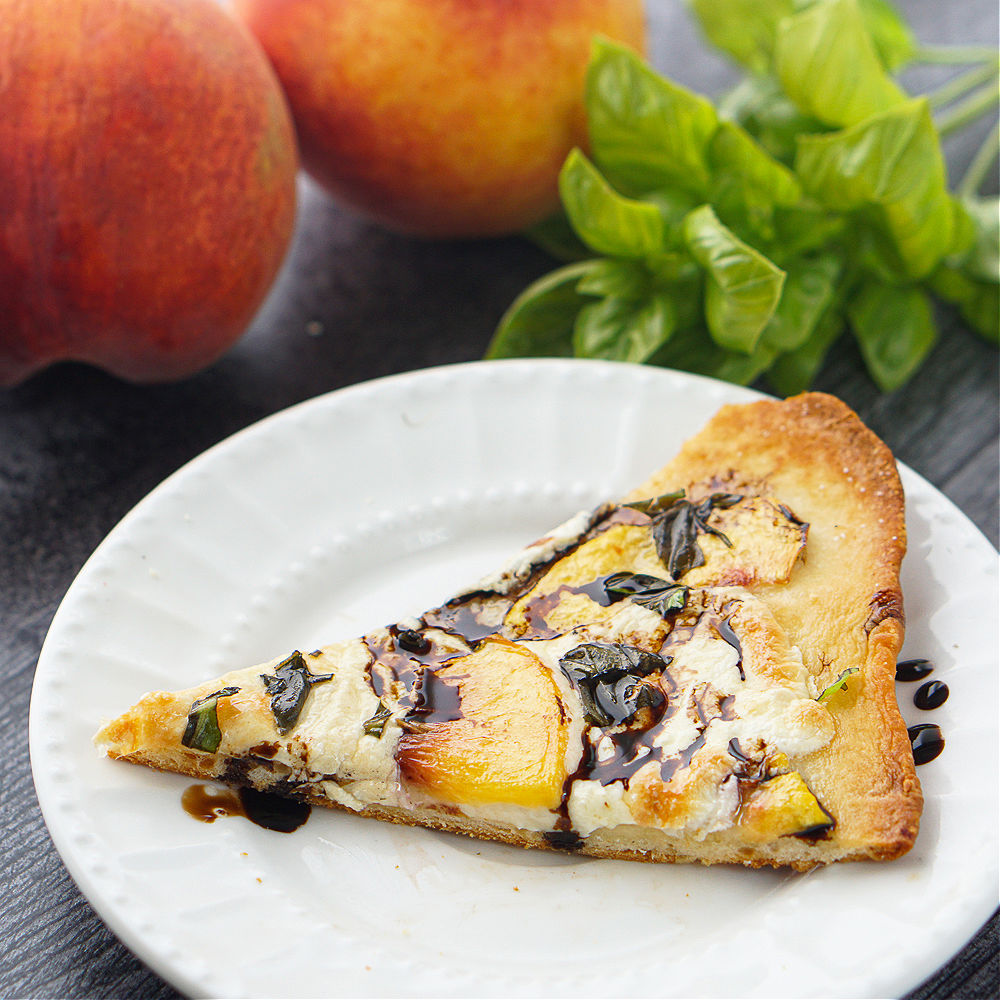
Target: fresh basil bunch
(742,239)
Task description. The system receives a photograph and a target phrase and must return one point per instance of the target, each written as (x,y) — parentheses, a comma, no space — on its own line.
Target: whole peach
(147,184)
(441,118)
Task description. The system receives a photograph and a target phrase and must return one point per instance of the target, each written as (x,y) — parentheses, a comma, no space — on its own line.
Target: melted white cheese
(520,566)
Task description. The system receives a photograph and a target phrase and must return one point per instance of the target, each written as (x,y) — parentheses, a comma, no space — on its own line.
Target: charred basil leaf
(607,678)
(375,726)
(413,642)
(839,684)
(676,528)
(202,730)
(656,505)
(651,592)
(621,702)
(289,687)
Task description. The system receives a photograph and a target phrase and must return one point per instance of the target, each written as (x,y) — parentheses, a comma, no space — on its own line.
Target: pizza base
(806,616)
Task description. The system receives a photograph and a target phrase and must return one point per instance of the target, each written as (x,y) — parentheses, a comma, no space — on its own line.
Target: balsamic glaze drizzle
(725,631)
(264,809)
(926,738)
(913,670)
(930,695)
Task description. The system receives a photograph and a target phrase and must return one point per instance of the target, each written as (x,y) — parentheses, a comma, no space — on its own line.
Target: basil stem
(839,684)
(656,505)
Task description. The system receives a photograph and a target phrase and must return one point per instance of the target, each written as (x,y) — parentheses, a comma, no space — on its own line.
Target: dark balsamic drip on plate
(931,695)
(265,809)
(273,812)
(926,740)
(913,670)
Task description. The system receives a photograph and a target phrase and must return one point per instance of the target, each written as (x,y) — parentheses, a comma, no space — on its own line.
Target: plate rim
(139,943)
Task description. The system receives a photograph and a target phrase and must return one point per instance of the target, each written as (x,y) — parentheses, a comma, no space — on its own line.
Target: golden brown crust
(843,606)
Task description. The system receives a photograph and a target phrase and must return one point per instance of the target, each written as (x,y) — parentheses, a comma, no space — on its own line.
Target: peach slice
(569,592)
(498,734)
(781,806)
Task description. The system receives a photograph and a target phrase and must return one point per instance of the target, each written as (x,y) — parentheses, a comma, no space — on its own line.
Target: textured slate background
(78,449)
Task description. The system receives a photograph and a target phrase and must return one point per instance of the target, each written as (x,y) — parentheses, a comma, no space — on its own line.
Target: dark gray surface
(78,449)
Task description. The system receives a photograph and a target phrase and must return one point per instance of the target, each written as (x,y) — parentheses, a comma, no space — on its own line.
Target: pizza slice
(701,671)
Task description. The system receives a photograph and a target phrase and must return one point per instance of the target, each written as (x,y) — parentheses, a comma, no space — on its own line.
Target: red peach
(147,184)
(441,118)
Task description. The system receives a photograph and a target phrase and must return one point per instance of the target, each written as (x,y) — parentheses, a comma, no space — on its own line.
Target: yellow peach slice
(782,806)
(562,599)
(501,738)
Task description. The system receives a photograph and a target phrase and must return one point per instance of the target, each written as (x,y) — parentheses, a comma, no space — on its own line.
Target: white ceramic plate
(359,507)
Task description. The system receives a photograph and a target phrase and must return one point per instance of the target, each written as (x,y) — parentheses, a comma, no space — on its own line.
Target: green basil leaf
(201,731)
(745,29)
(742,286)
(742,369)
(890,34)
(895,329)
(977,301)
(761,107)
(891,171)
(980,308)
(748,183)
(623,279)
(674,269)
(606,676)
(674,205)
(375,726)
(733,155)
(970,278)
(675,531)
(624,330)
(605,220)
(810,288)
(840,684)
(645,131)
(981,259)
(805,228)
(692,349)
(794,371)
(658,504)
(539,322)
(829,66)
